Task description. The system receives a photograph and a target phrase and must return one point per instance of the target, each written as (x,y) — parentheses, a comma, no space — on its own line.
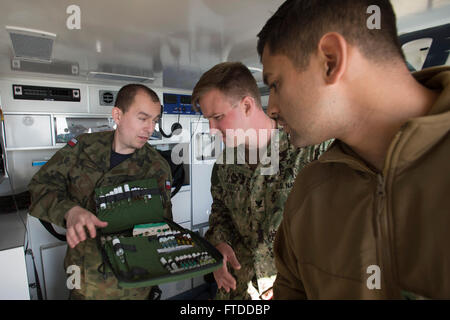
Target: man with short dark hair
(367,220)
(62,191)
(248,193)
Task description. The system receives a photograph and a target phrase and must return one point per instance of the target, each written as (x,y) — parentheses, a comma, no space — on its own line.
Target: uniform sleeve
(221,228)
(287,284)
(50,199)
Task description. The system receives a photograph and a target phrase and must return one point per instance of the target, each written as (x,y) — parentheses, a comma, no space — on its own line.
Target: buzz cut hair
(298,25)
(126,94)
(233,79)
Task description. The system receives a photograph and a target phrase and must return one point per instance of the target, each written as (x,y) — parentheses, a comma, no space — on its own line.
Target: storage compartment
(67,128)
(24,164)
(28,130)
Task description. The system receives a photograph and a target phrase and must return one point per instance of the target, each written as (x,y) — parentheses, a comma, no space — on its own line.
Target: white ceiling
(180,38)
(414,15)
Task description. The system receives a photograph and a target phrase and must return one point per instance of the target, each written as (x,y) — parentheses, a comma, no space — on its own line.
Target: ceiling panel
(184,37)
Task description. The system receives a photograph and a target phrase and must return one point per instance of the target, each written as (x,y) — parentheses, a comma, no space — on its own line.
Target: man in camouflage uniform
(247,202)
(63,190)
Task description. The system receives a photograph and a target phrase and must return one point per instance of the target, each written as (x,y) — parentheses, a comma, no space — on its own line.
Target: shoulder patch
(73,142)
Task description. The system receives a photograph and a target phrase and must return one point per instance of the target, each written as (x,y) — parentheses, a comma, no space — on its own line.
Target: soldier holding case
(247,202)
(63,190)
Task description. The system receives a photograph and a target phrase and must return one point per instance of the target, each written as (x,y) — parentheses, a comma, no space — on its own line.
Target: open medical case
(140,246)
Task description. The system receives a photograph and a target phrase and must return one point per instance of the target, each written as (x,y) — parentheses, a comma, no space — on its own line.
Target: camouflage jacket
(70,177)
(248,206)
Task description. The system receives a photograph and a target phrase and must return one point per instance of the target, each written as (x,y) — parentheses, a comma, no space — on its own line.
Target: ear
(333,56)
(116,115)
(248,104)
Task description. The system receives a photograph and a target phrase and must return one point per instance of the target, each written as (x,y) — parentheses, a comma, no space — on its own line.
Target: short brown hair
(233,79)
(297,26)
(126,94)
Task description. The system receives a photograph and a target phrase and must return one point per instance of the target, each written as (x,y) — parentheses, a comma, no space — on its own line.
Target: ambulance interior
(61,66)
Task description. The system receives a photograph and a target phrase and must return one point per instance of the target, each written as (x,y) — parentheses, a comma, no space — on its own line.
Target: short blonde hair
(233,79)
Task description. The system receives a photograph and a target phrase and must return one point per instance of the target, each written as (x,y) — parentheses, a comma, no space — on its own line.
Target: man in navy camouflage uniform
(248,196)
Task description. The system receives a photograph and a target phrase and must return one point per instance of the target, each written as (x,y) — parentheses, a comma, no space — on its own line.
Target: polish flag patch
(168,186)
(73,142)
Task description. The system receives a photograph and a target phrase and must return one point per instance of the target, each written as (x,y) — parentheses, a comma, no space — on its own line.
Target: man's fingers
(228,255)
(219,277)
(226,285)
(229,281)
(79,228)
(99,223)
(77,220)
(225,279)
(72,238)
(95,223)
(71,234)
(221,284)
(220,273)
(69,241)
(91,229)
